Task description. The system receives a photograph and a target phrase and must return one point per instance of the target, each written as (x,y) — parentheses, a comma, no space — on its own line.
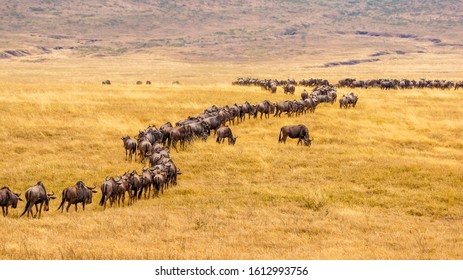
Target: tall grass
(382,180)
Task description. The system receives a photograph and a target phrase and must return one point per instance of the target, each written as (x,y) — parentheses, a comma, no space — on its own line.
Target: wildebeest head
(14,199)
(88,193)
(47,201)
(307,141)
(10,197)
(232,140)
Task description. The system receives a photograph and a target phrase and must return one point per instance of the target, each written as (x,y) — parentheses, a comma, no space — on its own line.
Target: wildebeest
(144,147)
(343,102)
(225,132)
(199,129)
(304,95)
(284,106)
(139,82)
(79,193)
(122,186)
(299,131)
(106,82)
(8,198)
(165,130)
(265,107)
(352,99)
(246,108)
(108,191)
(148,82)
(213,122)
(146,179)
(130,146)
(180,133)
(158,183)
(458,84)
(35,195)
(289,88)
(151,133)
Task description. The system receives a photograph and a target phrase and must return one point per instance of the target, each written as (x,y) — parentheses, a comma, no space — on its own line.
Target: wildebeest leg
(67,207)
(174,144)
(3,211)
(76,206)
(36,211)
(40,210)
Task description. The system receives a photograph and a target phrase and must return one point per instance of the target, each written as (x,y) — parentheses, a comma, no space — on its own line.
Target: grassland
(381,181)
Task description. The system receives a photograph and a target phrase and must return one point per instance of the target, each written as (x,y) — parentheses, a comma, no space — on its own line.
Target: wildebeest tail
(28,205)
(169,140)
(281,135)
(103,196)
(63,200)
(141,188)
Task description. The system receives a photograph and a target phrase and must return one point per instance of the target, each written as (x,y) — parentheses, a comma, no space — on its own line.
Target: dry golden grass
(381,181)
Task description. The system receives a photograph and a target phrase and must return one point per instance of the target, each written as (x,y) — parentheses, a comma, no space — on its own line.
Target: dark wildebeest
(299,131)
(106,82)
(108,191)
(235,112)
(146,180)
(343,102)
(246,108)
(158,183)
(352,99)
(134,185)
(311,103)
(148,82)
(304,95)
(152,134)
(458,84)
(122,186)
(37,195)
(289,88)
(182,134)
(265,107)
(199,129)
(7,198)
(213,122)
(130,146)
(144,147)
(139,83)
(225,132)
(284,106)
(165,129)
(79,193)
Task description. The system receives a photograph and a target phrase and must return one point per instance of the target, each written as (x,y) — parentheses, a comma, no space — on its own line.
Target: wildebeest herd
(386,84)
(153,145)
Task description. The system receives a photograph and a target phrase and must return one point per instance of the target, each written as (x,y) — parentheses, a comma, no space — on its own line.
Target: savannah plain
(382,180)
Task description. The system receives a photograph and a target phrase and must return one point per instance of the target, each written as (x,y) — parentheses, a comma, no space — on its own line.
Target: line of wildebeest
(289,84)
(153,145)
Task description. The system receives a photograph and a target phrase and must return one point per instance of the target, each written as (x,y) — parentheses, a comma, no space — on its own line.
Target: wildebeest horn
(311,139)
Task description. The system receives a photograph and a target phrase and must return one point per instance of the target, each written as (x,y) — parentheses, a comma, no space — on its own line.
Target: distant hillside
(218,29)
